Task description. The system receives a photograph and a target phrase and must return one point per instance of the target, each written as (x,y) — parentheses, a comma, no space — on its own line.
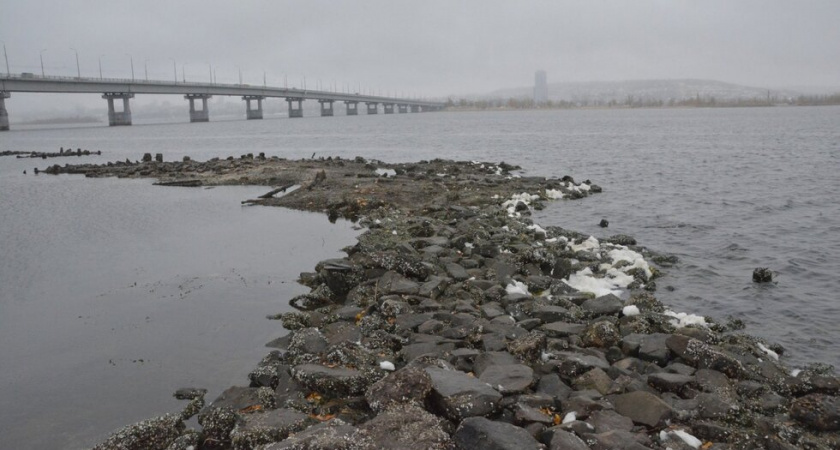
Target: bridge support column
(352,108)
(389,108)
(295,111)
(200,115)
(415,108)
(118,118)
(402,109)
(4,115)
(372,108)
(252,114)
(326,108)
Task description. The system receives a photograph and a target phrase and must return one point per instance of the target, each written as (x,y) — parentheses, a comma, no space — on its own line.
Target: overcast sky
(430,47)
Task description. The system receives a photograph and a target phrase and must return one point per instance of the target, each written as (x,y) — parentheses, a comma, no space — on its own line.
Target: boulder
(817,411)
(481,433)
(266,427)
(643,408)
(508,378)
(603,305)
(332,435)
(331,381)
(407,385)
(704,356)
(457,395)
(403,427)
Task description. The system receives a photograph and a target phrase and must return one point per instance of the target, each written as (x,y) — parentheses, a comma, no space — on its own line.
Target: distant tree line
(637,102)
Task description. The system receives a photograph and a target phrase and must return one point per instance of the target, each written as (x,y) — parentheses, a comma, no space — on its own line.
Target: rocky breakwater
(456,322)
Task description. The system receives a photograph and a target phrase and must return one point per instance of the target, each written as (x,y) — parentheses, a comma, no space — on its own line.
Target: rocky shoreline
(456,322)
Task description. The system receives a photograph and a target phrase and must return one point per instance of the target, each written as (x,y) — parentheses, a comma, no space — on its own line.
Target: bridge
(116,91)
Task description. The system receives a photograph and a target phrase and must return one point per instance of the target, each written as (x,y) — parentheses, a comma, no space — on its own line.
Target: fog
(427,49)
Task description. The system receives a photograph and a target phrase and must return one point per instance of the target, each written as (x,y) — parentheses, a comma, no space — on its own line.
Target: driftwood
(275,191)
(185,183)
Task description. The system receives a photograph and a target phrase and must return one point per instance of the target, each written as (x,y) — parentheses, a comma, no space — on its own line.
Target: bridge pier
(415,108)
(402,109)
(253,114)
(389,108)
(352,108)
(4,115)
(372,107)
(295,111)
(200,115)
(326,108)
(118,118)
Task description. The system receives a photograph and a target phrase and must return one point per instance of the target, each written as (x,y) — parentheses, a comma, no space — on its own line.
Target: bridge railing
(33,76)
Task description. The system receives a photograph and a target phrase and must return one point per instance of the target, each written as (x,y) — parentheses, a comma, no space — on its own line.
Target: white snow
(554,194)
(517,287)
(795,372)
(687,438)
(772,354)
(386,172)
(636,260)
(631,310)
(683,320)
(589,244)
(570,417)
(468,245)
(387,365)
(585,282)
(537,229)
(545,356)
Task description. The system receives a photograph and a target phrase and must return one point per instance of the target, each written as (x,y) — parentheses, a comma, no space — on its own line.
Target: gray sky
(431,47)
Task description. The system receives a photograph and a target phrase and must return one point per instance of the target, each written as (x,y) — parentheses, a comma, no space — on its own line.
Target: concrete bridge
(119,92)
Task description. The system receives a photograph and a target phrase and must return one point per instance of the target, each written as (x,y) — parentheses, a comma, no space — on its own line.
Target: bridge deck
(52,84)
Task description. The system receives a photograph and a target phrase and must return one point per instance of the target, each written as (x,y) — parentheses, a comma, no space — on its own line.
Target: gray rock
(487,359)
(308,341)
(574,364)
(817,411)
(407,385)
(600,334)
(481,433)
(563,440)
(331,381)
(508,378)
(403,427)
(643,408)
(713,406)
(552,385)
(704,356)
(669,382)
(613,440)
(524,415)
(332,435)
(394,283)
(266,427)
(606,420)
(457,395)
(595,379)
(529,347)
(551,313)
(457,272)
(562,329)
(603,305)
(152,434)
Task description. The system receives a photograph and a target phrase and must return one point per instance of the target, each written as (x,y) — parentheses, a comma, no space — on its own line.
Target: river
(114,293)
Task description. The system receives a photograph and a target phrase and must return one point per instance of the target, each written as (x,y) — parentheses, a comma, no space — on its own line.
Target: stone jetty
(455,322)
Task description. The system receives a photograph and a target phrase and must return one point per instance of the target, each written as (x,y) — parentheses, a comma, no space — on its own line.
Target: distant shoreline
(62,120)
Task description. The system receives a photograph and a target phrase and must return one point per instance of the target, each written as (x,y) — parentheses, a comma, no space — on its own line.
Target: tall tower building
(540,88)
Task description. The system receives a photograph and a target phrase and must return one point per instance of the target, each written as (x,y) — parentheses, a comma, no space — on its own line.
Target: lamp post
(100,66)
(42,62)
(6,55)
(146,69)
(240,74)
(131,58)
(78,71)
(210,66)
(174,71)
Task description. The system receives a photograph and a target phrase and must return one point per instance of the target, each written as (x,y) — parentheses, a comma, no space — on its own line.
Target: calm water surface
(113,293)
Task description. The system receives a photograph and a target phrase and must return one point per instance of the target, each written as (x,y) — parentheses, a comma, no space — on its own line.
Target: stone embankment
(44,155)
(455,322)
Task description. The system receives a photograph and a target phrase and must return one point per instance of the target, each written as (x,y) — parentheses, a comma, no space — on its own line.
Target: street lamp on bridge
(6,55)
(78,71)
(131,58)
(100,66)
(42,61)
